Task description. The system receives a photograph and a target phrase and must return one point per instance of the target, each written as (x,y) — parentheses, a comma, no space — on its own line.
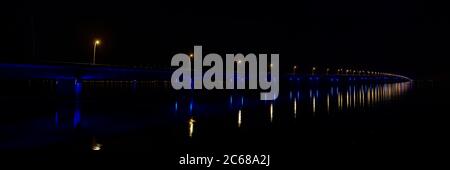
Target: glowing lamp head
(97,42)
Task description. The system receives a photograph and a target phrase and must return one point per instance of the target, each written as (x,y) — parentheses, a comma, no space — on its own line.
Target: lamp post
(96,42)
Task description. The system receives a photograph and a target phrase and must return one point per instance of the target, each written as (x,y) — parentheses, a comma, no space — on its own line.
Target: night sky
(406,37)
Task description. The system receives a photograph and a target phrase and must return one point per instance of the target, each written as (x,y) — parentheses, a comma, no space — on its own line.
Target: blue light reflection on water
(76,113)
(250,113)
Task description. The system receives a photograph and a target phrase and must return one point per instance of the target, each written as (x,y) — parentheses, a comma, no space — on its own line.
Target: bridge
(79,72)
(109,72)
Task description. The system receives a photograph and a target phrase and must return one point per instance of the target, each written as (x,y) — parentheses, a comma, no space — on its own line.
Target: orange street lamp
(96,42)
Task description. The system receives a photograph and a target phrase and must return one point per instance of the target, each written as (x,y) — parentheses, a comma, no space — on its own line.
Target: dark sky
(407,37)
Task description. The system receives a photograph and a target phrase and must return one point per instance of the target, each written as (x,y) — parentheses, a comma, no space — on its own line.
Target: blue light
(77,87)
(76,117)
(76,114)
(176,106)
(56,119)
(191,106)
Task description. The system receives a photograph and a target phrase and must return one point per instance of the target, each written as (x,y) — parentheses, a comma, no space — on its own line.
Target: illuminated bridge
(78,71)
(107,72)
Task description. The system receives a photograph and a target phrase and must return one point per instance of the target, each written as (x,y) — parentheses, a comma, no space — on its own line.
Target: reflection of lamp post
(191,126)
(96,146)
(97,42)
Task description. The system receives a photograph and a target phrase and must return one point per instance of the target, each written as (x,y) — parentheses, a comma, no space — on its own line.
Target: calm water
(99,119)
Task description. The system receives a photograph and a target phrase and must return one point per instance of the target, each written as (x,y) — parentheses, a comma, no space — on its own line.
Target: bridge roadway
(108,72)
(80,71)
